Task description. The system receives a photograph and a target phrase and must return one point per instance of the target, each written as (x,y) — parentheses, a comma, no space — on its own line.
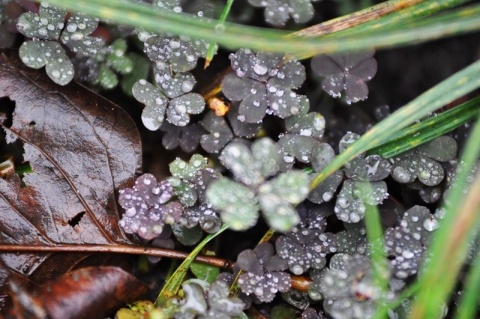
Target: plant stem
(211,46)
(116,249)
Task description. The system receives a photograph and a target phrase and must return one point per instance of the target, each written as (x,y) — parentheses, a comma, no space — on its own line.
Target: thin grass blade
(236,36)
(428,129)
(211,46)
(173,283)
(469,304)
(449,245)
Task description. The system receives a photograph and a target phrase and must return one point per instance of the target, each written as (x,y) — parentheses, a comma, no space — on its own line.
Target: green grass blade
(443,93)
(449,244)
(173,283)
(235,36)
(428,129)
(223,18)
(378,258)
(469,303)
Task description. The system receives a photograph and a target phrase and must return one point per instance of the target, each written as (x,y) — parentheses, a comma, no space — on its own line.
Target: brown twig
(117,249)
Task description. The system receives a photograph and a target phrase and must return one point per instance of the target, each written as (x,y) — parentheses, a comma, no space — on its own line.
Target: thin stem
(211,46)
(172,285)
(117,249)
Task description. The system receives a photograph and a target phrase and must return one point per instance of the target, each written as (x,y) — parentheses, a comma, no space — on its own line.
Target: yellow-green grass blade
(450,243)
(469,303)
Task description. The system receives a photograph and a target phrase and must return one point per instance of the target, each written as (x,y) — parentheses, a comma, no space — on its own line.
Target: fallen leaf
(92,292)
(81,148)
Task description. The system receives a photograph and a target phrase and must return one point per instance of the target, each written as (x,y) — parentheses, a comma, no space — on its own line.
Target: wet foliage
(233,146)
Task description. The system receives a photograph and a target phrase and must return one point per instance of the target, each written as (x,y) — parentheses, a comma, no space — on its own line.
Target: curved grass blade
(173,283)
(428,129)
(235,36)
(443,93)
(449,244)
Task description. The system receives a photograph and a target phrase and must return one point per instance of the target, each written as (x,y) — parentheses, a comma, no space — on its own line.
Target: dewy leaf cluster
(240,200)
(47,28)
(257,140)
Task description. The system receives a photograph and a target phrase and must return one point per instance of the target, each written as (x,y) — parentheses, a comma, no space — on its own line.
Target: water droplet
(260,69)
(174,44)
(354,218)
(42,31)
(187,86)
(343,203)
(430,224)
(306,132)
(327,196)
(180,108)
(401,174)
(130,212)
(425,174)
(297,270)
(55,74)
(71,27)
(219,28)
